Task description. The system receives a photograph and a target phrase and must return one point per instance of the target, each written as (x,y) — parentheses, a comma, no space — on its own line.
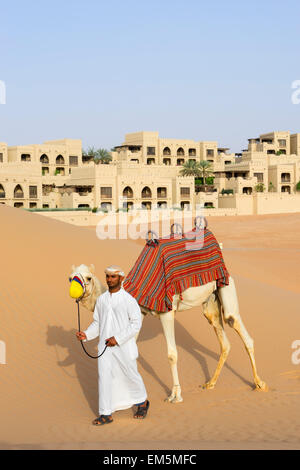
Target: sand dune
(49,388)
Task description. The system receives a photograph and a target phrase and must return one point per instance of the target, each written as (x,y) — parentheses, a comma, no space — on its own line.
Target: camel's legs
(229,301)
(212,312)
(137,335)
(167,321)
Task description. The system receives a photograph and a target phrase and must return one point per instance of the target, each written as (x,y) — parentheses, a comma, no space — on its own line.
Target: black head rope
(93,357)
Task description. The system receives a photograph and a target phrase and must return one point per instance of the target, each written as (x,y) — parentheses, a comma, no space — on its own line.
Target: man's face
(113,280)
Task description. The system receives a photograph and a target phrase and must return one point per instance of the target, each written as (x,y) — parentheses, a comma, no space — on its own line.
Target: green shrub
(227,191)
(259,188)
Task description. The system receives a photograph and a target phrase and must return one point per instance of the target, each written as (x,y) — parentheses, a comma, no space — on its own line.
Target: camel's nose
(76,290)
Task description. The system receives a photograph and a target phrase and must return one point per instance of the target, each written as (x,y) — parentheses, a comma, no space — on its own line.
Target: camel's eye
(70,279)
(88,279)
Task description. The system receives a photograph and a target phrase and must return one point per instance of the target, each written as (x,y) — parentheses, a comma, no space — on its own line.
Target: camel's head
(82,281)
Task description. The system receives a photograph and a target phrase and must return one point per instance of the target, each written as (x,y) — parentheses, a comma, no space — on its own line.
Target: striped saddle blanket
(168,266)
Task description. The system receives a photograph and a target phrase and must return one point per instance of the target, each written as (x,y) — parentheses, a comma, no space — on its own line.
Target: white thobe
(120,385)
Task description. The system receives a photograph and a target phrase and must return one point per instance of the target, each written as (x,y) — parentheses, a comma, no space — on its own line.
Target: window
(192,152)
(106,192)
(2,191)
(18,192)
(150,161)
(150,150)
(73,160)
(259,176)
(127,192)
(32,205)
(166,151)
(180,151)
(60,160)
(184,191)
(1,157)
(32,191)
(44,158)
(25,157)
(146,193)
(209,153)
(282,142)
(162,192)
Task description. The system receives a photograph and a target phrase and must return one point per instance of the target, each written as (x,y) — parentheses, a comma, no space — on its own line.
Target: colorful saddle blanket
(173,264)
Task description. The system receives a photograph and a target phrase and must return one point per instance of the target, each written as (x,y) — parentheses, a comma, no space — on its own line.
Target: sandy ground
(49,388)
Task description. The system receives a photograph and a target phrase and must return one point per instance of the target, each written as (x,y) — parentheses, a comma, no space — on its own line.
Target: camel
(219,305)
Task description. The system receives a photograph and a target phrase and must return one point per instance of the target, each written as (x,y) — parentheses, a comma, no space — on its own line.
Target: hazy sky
(95,70)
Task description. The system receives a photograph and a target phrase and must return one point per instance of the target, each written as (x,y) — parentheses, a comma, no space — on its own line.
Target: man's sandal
(142,410)
(103,419)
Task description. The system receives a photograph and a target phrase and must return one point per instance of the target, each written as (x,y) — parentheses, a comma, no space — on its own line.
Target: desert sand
(49,387)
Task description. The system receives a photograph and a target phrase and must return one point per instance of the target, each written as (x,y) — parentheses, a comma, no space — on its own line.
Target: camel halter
(79,278)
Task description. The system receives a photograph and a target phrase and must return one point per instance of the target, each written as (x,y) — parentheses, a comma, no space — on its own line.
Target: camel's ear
(92,268)
(73,267)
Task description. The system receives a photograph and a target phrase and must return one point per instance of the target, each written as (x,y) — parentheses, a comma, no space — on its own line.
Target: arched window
(60,160)
(180,151)
(128,205)
(247,190)
(2,192)
(106,206)
(146,192)
(166,151)
(185,205)
(44,158)
(18,192)
(146,205)
(127,192)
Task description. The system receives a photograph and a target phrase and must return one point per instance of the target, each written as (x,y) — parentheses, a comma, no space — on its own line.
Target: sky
(96,70)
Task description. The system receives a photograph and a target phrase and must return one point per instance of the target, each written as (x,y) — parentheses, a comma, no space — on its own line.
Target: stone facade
(145,173)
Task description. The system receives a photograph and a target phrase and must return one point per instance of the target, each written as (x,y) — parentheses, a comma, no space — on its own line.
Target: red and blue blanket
(172,265)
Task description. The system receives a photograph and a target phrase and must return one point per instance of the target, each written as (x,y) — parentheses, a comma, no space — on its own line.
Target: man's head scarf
(114,270)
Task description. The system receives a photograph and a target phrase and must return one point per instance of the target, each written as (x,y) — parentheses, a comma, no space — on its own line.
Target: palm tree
(90,151)
(190,168)
(205,170)
(102,156)
(271,187)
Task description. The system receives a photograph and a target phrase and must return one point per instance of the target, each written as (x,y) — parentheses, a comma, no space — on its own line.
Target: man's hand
(81,336)
(111,342)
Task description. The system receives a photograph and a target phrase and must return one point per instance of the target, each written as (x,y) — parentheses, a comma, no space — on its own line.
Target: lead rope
(93,357)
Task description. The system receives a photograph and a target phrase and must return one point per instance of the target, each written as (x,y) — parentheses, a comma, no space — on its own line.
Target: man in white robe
(117,320)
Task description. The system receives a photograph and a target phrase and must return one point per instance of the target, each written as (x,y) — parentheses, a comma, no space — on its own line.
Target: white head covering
(113,269)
